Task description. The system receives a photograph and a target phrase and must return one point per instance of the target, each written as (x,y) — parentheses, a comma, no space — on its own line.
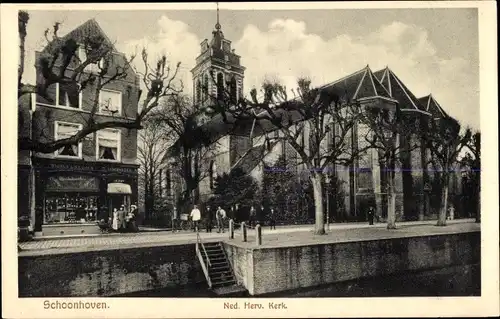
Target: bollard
(244,231)
(231,229)
(258,234)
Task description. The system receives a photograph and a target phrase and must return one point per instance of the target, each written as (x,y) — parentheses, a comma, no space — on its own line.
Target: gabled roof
(358,85)
(433,107)
(90,27)
(398,90)
(253,157)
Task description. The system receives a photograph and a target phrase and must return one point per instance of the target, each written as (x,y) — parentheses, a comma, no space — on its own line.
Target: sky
(431,50)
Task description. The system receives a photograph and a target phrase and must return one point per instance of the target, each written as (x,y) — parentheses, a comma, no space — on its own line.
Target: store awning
(119,188)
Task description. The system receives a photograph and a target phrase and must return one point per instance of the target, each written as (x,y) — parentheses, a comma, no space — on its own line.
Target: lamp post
(427,190)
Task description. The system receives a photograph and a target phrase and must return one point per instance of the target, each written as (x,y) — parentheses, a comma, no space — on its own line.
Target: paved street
(117,241)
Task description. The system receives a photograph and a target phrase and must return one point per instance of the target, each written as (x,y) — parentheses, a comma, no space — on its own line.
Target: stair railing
(199,243)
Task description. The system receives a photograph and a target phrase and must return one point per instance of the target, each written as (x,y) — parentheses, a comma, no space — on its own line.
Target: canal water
(444,282)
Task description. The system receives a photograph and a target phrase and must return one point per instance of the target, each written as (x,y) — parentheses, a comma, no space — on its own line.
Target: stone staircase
(220,271)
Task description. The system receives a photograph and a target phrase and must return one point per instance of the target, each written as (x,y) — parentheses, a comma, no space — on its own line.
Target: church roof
(359,85)
(433,107)
(253,157)
(398,90)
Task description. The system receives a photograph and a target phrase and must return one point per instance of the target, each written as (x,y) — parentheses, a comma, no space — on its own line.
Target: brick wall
(288,268)
(108,272)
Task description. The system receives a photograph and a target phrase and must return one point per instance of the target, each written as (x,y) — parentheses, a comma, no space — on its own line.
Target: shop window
(70,208)
(66,130)
(108,145)
(110,102)
(69,95)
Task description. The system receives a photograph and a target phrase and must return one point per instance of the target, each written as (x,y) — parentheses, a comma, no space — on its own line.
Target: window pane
(110,102)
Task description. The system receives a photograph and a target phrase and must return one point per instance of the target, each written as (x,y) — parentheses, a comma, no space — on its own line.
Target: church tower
(218,72)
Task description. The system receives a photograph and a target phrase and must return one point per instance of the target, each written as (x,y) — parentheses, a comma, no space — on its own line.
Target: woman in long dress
(115,219)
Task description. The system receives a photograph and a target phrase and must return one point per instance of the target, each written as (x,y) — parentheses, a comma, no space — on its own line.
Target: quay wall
(108,272)
(270,270)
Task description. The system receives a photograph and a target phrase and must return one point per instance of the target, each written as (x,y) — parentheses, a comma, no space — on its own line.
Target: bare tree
(445,142)
(474,147)
(60,63)
(192,144)
(384,131)
(316,123)
(152,143)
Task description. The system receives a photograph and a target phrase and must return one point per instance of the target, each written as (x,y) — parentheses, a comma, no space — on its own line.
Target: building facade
(364,182)
(79,184)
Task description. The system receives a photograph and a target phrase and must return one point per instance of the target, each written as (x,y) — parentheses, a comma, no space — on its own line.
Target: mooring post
(231,229)
(244,231)
(258,236)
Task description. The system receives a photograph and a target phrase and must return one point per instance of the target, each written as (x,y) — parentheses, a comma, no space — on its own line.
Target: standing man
(251,219)
(209,220)
(221,216)
(195,217)
(272,219)
(371,215)
(174,219)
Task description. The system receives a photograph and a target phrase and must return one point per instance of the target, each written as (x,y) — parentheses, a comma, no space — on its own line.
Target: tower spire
(217,25)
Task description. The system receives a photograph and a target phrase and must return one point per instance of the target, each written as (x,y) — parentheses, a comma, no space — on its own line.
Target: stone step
(232,290)
(217,284)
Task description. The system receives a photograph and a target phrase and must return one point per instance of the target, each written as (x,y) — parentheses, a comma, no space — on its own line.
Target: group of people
(123,220)
(221,217)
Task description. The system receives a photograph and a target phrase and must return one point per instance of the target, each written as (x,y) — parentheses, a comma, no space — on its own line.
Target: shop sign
(96,168)
(72,183)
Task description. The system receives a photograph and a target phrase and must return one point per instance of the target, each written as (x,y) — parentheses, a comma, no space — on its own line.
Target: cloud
(173,39)
(287,51)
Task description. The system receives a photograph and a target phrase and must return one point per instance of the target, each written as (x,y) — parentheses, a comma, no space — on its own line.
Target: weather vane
(217,26)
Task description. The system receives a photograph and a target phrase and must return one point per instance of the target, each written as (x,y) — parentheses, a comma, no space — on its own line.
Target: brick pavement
(117,241)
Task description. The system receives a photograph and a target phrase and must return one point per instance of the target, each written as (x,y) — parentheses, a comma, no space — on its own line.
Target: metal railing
(204,267)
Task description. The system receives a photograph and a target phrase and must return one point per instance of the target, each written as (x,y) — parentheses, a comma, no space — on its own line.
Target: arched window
(220,86)
(205,87)
(233,90)
(168,182)
(198,91)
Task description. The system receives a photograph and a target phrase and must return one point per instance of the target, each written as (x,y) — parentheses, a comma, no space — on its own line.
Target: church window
(220,86)
(198,91)
(205,87)
(233,89)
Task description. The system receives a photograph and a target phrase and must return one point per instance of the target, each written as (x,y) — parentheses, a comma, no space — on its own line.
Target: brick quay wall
(108,272)
(279,269)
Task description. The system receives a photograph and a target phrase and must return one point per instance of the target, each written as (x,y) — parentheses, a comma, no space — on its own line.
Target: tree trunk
(444,200)
(319,226)
(391,203)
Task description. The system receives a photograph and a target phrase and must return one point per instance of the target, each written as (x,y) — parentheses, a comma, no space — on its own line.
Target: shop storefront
(71,197)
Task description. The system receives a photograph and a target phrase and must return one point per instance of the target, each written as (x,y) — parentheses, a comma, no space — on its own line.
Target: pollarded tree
(89,62)
(474,146)
(316,123)
(445,142)
(384,129)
